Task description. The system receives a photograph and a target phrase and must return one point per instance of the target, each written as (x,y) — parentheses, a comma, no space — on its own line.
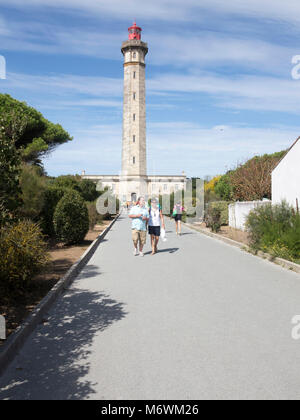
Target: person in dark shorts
(156,221)
(177,214)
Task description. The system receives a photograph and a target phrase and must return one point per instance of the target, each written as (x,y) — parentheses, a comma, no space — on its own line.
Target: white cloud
(202,49)
(92,103)
(174,10)
(66,84)
(96,149)
(240,92)
(200,150)
(218,49)
(172,147)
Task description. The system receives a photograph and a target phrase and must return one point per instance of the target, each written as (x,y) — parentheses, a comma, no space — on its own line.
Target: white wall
(239,211)
(286,178)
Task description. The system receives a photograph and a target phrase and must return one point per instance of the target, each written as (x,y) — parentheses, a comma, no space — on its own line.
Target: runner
(177,214)
(156,221)
(140,216)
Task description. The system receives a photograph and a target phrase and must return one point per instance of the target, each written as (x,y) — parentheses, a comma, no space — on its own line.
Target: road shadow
(187,233)
(55,365)
(169,250)
(89,271)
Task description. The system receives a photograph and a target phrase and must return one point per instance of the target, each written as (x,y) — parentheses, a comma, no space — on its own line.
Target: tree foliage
(71,218)
(33,187)
(224,188)
(31,133)
(252,181)
(10,191)
(52,196)
(88,190)
(249,181)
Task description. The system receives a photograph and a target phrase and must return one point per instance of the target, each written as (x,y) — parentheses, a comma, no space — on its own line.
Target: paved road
(199,320)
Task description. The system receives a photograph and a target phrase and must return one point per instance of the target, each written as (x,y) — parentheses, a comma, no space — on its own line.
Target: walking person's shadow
(160,251)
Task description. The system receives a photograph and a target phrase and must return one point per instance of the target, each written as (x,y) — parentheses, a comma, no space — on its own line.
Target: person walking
(156,221)
(177,214)
(139,216)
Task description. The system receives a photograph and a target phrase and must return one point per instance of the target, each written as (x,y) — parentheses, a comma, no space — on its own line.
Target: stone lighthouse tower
(134,180)
(134,159)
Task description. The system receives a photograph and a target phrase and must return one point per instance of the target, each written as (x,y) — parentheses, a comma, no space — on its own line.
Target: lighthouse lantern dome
(135,32)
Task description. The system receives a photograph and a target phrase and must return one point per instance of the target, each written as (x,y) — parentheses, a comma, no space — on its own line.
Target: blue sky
(219,84)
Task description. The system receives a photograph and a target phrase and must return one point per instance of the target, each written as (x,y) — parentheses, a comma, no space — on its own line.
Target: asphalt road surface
(199,320)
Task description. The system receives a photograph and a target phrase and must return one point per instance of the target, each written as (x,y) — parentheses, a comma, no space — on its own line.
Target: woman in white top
(156,221)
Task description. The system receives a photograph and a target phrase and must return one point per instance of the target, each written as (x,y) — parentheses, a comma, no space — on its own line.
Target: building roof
(288,151)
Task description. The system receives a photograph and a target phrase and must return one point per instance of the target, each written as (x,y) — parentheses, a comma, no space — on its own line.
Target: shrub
(276,230)
(23,254)
(213,219)
(52,197)
(94,216)
(71,218)
(88,190)
(33,187)
(66,181)
(223,207)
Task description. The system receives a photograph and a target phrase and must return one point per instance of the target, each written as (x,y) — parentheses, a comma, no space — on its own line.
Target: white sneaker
(141,254)
(135,252)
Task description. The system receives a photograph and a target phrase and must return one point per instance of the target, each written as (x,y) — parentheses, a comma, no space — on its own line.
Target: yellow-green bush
(23,254)
(210,185)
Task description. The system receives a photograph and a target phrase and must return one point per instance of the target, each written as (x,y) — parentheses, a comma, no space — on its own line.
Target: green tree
(31,133)
(88,190)
(10,191)
(33,187)
(67,181)
(224,188)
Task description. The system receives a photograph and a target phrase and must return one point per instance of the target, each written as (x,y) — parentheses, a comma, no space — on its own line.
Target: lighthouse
(133,180)
(134,159)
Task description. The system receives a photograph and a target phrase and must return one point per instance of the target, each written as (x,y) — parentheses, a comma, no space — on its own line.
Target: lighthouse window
(133,117)
(134,74)
(134,96)
(133,160)
(133,139)
(134,55)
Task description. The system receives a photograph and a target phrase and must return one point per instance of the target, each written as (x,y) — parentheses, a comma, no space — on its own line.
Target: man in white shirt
(140,216)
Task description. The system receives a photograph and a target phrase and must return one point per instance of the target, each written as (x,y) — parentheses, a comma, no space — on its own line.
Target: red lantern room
(135,32)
